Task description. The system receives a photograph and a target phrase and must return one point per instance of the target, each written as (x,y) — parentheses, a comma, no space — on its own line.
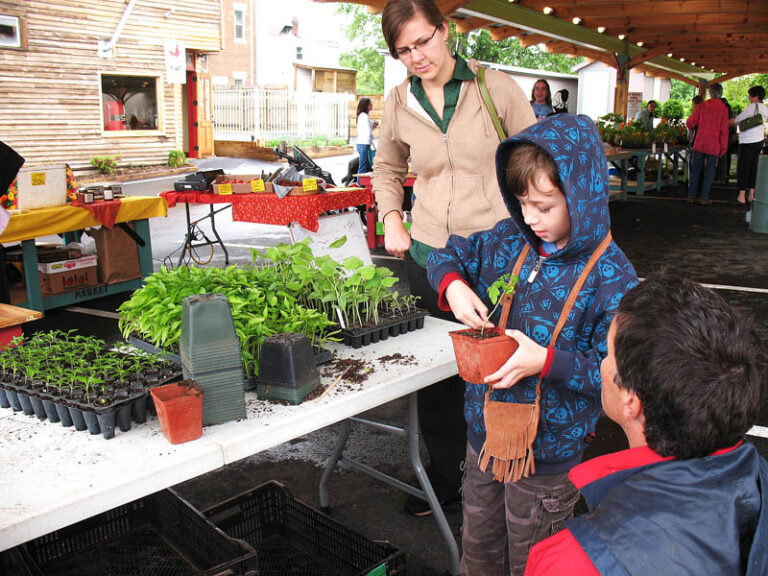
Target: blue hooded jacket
(570,398)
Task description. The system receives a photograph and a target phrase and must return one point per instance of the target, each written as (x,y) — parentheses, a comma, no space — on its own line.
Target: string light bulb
(548,10)
(600,29)
(576,20)
(622,36)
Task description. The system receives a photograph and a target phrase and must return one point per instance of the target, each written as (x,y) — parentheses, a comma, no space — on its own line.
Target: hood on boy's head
(574,144)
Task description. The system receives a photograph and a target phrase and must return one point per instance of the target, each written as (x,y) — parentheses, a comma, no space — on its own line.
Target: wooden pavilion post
(621,92)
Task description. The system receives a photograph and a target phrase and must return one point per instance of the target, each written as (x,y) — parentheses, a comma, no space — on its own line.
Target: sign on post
(175,62)
(634,104)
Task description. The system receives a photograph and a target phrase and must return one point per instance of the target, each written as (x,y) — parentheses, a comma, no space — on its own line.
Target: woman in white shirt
(750,145)
(364,134)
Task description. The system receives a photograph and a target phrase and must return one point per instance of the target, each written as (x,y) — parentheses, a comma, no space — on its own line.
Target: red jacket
(710,118)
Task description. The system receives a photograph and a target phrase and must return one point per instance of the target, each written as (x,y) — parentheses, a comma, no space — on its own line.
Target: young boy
(554,181)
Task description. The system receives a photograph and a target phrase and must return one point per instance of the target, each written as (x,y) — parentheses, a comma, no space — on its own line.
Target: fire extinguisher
(114,113)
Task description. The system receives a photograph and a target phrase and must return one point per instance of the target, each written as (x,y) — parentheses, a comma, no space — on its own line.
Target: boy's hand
(397,240)
(466,305)
(528,359)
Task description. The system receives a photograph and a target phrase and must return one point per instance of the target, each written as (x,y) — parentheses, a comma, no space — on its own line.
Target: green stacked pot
(210,355)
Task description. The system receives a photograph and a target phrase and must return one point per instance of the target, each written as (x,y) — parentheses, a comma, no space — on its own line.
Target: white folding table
(54,476)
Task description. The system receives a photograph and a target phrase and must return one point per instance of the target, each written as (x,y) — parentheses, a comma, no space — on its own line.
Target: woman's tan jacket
(456,191)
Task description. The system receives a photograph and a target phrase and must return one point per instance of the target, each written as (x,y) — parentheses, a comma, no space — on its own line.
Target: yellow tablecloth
(59,219)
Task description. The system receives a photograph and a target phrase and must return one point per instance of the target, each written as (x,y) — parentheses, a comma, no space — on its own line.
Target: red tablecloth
(270,209)
(104,211)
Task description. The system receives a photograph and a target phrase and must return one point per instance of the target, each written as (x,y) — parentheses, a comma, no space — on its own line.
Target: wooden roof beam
(465,25)
(648,55)
(499,34)
(533,39)
(658,72)
(655,7)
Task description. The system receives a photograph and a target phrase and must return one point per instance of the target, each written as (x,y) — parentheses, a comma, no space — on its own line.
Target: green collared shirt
(451,90)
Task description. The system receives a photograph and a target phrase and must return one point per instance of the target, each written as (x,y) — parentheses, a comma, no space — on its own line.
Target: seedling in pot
(503,286)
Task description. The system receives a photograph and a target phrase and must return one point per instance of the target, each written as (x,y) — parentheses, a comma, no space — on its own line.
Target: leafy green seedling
(504,285)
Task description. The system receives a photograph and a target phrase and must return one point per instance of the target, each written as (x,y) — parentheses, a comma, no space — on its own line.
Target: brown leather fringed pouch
(511,428)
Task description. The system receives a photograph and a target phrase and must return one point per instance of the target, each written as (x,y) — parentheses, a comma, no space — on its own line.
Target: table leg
(426,492)
(429,492)
(330,465)
(141,227)
(32,276)
(187,236)
(212,216)
(659,170)
(640,190)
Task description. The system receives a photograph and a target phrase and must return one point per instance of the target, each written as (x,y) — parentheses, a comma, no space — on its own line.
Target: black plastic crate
(292,538)
(161,535)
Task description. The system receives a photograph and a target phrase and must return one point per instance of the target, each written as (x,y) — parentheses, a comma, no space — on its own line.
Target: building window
(130,102)
(11,32)
(299,53)
(239,78)
(239,22)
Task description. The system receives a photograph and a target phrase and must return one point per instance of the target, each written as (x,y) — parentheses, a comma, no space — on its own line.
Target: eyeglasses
(419,46)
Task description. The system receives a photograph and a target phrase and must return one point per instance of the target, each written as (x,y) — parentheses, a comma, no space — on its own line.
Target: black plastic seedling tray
(359,337)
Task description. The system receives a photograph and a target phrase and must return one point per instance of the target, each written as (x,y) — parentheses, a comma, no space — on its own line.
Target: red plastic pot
(480,357)
(179,408)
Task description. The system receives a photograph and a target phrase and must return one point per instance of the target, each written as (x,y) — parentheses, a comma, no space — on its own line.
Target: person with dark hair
(541,99)
(554,179)
(710,119)
(685,378)
(365,128)
(750,145)
(645,116)
(438,120)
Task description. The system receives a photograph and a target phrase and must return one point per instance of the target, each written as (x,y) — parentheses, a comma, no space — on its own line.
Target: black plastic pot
(64,417)
(50,410)
(78,419)
(4,403)
(26,403)
(13,399)
(37,406)
(107,419)
(287,370)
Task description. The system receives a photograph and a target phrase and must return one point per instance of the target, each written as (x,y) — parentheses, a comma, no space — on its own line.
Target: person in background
(438,119)
(645,116)
(750,145)
(541,99)
(685,379)
(560,102)
(365,128)
(553,177)
(710,119)
(724,162)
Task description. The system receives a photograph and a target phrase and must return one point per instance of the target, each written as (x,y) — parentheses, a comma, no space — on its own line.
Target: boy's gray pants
(520,514)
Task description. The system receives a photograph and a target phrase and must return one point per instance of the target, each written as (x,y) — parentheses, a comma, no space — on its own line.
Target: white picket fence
(249,114)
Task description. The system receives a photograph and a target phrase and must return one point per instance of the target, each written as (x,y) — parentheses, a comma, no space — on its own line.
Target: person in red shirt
(685,379)
(710,120)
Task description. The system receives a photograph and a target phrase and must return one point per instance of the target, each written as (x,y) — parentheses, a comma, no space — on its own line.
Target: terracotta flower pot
(477,356)
(179,408)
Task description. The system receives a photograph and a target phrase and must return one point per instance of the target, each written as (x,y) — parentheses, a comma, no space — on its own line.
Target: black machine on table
(298,159)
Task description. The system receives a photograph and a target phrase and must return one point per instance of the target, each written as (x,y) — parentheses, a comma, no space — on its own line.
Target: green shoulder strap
(489,103)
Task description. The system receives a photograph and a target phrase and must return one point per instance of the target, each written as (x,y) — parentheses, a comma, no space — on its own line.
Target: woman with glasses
(438,120)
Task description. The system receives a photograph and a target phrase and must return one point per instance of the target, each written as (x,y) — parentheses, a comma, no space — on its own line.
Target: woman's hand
(528,359)
(467,306)
(397,240)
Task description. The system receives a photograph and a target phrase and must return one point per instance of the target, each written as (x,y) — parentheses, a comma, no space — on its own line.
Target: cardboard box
(42,186)
(118,255)
(67,281)
(241,184)
(67,265)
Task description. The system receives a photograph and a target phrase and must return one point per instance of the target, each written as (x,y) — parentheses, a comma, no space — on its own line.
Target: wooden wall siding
(50,105)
